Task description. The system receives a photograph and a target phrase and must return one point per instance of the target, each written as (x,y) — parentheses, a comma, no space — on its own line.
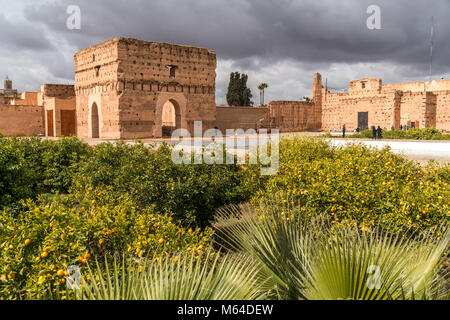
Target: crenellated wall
(388,106)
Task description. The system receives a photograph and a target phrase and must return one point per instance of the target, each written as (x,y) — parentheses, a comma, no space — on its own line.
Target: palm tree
(261,88)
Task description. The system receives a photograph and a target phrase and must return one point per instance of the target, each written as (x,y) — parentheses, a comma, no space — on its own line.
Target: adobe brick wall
(443,110)
(130,80)
(55,98)
(420,86)
(28,99)
(291,116)
(57,105)
(388,105)
(343,108)
(418,107)
(21,120)
(61,91)
(239,117)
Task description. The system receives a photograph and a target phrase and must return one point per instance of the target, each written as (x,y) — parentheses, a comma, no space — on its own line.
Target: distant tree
(238,94)
(307,99)
(263,86)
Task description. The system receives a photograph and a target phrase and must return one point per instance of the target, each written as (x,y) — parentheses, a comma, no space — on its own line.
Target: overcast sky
(281,42)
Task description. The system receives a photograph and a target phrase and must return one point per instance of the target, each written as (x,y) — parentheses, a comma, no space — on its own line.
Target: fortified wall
(370,103)
(21,120)
(128,88)
(123,84)
(21,116)
(239,118)
(291,116)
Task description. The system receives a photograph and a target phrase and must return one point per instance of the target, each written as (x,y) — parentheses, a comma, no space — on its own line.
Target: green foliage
(413,133)
(39,244)
(360,185)
(29,167)
(190,192)
(238,94)
(316,229)
(312,259)
(173,277)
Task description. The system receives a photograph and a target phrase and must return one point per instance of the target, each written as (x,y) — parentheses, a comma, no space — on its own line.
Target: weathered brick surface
(21,120)
(239,118)
(58,99)
(130,80)
(289,116)
(421,103)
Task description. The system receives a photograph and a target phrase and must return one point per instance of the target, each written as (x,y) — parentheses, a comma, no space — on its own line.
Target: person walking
(379,133)
(343,131)
(374,133)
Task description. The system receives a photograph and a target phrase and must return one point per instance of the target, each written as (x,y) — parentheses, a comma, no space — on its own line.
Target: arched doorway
(95,122)
(171,117)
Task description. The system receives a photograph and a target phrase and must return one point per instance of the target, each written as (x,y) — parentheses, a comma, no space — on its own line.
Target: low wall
(239,117)
(292,116)
(21,121)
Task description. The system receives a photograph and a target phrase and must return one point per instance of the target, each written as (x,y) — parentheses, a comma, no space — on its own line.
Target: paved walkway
(421,150)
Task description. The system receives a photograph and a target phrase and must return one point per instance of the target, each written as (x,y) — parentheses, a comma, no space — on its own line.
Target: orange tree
(191,192)
(31,166)
(40,243)
(358,185)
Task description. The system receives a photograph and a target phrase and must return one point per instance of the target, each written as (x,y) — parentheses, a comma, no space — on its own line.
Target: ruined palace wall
(292,116)
(61,91)
(28,99)
(365,87)
(96,81)
(443,110)
(418,107)
(239,117)
(57,104)
(435,85)
(342,108)
(148,84)
(21,120)
(56,97)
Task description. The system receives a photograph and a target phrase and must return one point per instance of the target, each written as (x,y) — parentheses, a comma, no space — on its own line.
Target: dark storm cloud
(310,35)
(22,36)
(307,30)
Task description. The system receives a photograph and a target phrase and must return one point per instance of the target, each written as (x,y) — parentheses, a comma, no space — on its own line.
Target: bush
(191,193)
(31,166)
(39,244)
(355,183)
(413,133)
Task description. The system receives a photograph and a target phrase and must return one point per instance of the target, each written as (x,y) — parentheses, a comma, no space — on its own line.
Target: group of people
(407,127)
(377,133)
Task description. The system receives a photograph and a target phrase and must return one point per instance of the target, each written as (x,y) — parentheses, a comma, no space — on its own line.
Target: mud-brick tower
(128,88)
